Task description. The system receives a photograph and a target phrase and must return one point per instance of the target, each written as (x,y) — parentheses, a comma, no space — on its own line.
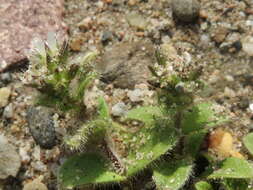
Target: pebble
(126,64)
(85,24)
(220,34)
(36,184)
(8,111)
(132,2)
(251,107)
(41,125)
(186,10)
(9,159)
(5,93)
(119,109)
(247,45)
(228,92)
(106,37)
(23,152)
(205,40)
(135,95)
(169,51)
(229,78)
(76,43)
(91,97)
(39,166)
(5,78)
(136,20)
(222,142)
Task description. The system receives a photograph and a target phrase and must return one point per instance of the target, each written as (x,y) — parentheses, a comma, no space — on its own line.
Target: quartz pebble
(251,107)
(5,93)
(136,20)
(9,159)
(35,185)
(247,45)
(135,95)
(8,111)
(119,109)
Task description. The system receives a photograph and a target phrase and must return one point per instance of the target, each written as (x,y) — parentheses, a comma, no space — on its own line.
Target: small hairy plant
(61,81)
(165,139)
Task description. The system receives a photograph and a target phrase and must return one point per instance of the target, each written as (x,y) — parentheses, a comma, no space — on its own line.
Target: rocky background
(218,35)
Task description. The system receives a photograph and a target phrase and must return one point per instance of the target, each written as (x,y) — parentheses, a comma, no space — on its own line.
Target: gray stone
(186,10)
(5,78)
(41,125)
(126,64)
(119,109)
(9,159)
(135,95)
(106,37)
(8,111)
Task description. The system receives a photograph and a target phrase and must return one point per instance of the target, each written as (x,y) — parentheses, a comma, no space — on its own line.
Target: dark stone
(244,103)
(5,78)
(21,21)
(237,45)
(41,125)
(106,37)
(186,10)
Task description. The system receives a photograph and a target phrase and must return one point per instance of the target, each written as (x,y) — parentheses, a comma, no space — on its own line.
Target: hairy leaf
(199,116)
(248,142)
(137,145)
(173,174)
(103,110)
(203,185)
(233,168)
(145,114)
(193,142)
(235,184)
(87,169)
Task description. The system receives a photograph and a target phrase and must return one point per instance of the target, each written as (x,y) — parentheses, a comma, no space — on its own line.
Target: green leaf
(83,84)
(87,169)
(144,114)
(103,109)
(92,132)
(150,141)
(137,145)
(199,116)
(193,142)
(157,143)
(233,168)
(203,185)
(248,142)
(161,60)
(172,175)
(235,184)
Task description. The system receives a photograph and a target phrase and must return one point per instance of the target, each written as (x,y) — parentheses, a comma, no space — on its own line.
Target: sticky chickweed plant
(61,82)
(165,139)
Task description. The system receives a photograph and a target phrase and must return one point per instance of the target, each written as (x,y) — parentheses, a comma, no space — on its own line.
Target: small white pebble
(119,109)
(251,107)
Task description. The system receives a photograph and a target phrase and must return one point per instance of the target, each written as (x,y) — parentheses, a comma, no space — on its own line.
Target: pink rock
(21,21)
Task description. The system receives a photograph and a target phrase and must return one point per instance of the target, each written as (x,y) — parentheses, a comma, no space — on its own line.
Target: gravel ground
(220,40)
